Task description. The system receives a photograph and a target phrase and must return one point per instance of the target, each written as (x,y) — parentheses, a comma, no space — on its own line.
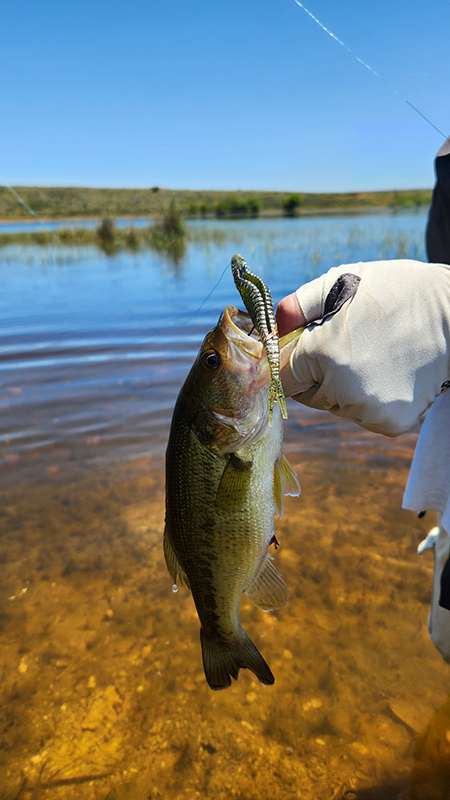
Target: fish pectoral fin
(233,484)
(173,565)
(285,481)
(269,589)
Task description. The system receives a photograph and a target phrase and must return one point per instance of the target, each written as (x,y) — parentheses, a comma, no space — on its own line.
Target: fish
(259,304)
(225,479)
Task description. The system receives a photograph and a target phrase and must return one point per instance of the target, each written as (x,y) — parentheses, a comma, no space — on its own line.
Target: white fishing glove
(378,348)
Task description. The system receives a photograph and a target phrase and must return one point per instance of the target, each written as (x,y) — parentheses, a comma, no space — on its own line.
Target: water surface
(102,691)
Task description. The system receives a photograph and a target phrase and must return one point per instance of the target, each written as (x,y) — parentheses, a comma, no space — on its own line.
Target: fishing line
(30,211)
(377,75)
(208,296)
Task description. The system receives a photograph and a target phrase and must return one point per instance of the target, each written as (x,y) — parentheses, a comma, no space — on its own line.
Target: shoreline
(71,203)
(275,214)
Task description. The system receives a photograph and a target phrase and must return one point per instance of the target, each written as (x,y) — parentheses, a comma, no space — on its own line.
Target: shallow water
(102,690)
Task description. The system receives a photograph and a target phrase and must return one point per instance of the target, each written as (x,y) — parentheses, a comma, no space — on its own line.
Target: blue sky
(240,94)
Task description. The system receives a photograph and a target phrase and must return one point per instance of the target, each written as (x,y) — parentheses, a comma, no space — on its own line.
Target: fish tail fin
(223,660)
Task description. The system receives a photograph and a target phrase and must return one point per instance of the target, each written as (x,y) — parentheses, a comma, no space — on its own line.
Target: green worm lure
(258,301)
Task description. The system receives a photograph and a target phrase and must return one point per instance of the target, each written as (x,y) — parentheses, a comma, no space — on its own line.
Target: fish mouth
(245,363)
(240,331)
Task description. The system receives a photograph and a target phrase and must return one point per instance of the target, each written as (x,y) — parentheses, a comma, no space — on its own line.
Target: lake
(102,692)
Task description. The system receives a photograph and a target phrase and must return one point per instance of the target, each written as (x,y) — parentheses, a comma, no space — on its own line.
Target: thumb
(303,358)
(296,373)
(289,314)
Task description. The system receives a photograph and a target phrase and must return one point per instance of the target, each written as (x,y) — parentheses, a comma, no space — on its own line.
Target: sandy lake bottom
(102,688)
(102,691)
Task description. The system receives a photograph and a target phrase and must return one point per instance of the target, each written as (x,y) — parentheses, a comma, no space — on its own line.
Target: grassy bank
(64,202)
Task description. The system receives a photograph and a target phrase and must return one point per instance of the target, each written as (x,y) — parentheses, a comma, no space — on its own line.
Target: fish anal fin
(234,483)
(173,565)
(223,660)
(269,589)
(285,481)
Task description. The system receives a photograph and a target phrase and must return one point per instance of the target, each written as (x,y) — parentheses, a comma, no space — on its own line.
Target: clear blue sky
(244,94)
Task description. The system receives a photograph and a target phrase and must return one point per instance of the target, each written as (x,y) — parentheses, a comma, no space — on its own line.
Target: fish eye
(211,360)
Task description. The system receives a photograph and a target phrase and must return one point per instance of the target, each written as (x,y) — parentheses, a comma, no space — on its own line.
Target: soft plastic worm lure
(259,304)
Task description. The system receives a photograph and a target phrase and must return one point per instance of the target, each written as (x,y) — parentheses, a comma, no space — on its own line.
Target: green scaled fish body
(225,479)
(259,304)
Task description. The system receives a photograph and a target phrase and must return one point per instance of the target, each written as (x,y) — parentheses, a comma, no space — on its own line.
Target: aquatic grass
(172,223)
(167,236)
(304,246)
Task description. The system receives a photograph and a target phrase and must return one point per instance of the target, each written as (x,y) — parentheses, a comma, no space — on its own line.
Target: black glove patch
(342,290)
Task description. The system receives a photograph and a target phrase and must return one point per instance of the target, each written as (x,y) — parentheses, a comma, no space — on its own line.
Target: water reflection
(103,692)
(116,335)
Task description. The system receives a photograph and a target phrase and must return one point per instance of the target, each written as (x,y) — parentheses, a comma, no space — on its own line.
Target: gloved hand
(384,356)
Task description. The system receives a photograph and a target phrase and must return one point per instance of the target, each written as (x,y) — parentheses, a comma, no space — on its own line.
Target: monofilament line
(30,210)
(367,66)
(207,296)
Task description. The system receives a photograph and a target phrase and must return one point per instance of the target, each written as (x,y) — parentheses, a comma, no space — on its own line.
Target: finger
(289,314)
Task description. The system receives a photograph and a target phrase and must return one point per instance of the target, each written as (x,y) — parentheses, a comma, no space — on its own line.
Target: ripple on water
(102,691)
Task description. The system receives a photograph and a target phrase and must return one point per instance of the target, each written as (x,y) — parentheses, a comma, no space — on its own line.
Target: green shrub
(292,203)
(106,232)
(106,236)
(235,207)
(172,223)
(254,206)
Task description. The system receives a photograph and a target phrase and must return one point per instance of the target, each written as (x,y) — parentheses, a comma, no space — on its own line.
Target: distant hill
(64,202)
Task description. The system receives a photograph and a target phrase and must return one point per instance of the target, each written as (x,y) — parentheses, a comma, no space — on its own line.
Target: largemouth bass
(259,304)
(225,479)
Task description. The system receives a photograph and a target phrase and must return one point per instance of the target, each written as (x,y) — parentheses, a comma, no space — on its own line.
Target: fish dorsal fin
(172,562)
(285,481)
(268,590)
(234,483)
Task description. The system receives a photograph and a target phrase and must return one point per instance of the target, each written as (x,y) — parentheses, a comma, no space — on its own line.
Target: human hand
(383,358)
